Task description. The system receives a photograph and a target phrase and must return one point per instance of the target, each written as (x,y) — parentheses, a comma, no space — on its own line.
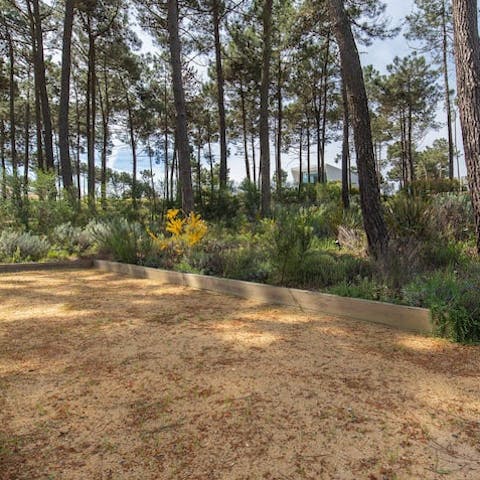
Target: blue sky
(379,54)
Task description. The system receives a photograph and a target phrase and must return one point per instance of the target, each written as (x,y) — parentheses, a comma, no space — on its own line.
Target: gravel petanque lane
(109,377)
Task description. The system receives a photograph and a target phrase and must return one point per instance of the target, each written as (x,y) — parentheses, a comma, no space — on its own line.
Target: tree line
(268,79)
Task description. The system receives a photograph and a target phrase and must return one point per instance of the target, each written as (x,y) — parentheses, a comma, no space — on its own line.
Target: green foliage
(408,216)
(250,199)
(292,235)
(366,288)
(318,269)
(453,299)
(122,240)
(72,239)
(451,215)
(18,247)
(222,206)
(426,187)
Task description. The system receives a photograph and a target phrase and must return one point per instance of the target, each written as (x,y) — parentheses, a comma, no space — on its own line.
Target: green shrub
(124,241)
(70,238)
(22,247)
(365,288)
(452,216)
(246,263)
(249,195)
(438,255)
(453,299)
(319,269)
(291,238)
(408,216)
(432,186)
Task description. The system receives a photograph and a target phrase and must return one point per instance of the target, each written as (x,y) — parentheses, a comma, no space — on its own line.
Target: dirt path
(105,377)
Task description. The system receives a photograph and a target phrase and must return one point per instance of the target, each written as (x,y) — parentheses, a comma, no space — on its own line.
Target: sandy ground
(105,377)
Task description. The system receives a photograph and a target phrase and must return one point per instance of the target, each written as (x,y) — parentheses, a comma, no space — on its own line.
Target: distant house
(334,174)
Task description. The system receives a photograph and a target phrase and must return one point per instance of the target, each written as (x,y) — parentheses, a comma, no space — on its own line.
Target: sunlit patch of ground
(106,377)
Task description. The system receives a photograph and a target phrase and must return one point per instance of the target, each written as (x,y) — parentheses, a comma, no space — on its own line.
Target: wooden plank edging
(27,267)
(397,316)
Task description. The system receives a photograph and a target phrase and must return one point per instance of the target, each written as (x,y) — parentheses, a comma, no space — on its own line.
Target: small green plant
(18,247)
(124,241)
(453,299)
(292,236)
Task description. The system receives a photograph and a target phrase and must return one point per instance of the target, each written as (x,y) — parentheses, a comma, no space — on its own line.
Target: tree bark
(26,163)
(222,124)
(185,171)
(278,159)
(104,101)
(264,94)
(44,101)
(467,59)
(133,146)
(63,117)
(308,150)
(324,112)
(244,128)
(91,114)
(77,160)
(2,158)
(300,161)
(12,119)
(345,150)
(448,103)
(352,74)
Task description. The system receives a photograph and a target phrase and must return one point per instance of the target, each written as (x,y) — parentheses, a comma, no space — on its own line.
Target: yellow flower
(175,226)
(172,213)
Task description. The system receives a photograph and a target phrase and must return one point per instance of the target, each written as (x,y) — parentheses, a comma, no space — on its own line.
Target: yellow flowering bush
(185,231)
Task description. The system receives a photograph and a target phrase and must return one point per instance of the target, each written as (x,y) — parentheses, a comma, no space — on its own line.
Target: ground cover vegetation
(226,87)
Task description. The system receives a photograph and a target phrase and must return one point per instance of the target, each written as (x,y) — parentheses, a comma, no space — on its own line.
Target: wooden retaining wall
(397,316)
(26,267)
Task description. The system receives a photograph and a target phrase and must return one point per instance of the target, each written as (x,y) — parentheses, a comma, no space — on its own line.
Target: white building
(334,174)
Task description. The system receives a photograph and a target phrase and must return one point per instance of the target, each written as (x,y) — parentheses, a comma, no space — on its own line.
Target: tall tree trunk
(411,166)
(152,184)
(404,149)
(185,171)
(44,101)
(374,223)
(103,156)
(222,124)
(36,80)
(308,151)
(244,128)
(324,103)
(133,146)
(38,124)
(2,158)
(448,103)
(63,118)
(104,101)
(279,124)
(91,114)
(78,133)
(345,149)
(264,95)
(12,119)
(199,174)
(300,161)
(210,161)
(317,106)
(467,58)
(165,133)
(254,161)
(173,194)
(26,163)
